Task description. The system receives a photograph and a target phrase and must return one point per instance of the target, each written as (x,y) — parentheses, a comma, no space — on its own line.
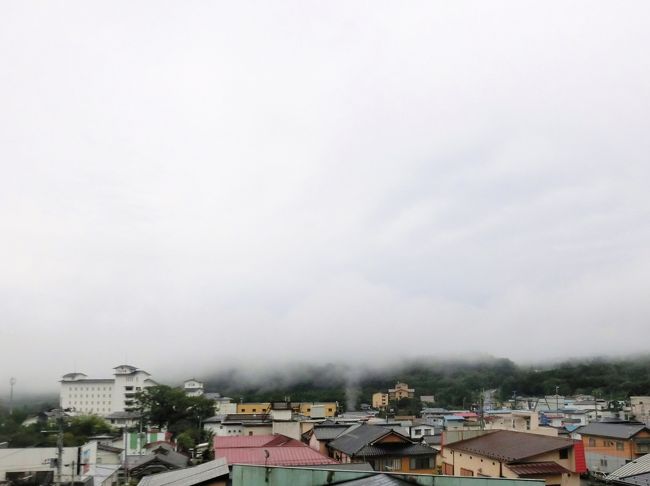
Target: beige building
(514,455)
(400,391)
(640,409)
(379,400)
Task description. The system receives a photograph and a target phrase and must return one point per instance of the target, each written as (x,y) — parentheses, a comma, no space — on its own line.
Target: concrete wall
(471,464)
(31,459)
(290,429)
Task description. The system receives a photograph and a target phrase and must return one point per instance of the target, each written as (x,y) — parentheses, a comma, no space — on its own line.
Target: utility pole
(557,399)
(59,447)
(12,382)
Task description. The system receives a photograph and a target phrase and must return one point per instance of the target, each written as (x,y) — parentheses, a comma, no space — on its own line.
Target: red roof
(277,456)
(240,441)
(467,414)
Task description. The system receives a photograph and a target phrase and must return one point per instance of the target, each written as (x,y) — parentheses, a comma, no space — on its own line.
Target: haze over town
(237,184)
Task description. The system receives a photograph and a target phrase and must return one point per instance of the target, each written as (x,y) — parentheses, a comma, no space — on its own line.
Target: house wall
(605,454)
(470,464)
(257,407)
(379,400)
(290,429)
(257,429)
(328,409)
(224,430)
(32,459)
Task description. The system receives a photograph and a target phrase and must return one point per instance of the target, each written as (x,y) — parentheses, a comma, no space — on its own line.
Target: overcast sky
(190,184)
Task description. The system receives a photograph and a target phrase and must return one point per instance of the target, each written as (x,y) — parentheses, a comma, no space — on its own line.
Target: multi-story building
(609,446)
(308,409)
(193,388)
(640,409)
(104,396)
(379,400)
(400,391)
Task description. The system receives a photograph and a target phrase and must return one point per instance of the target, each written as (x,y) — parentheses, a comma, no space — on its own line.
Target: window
(592,442)
(466,472)
(603,462)
(564,453)
(619,446)
(421,463)
(388,464)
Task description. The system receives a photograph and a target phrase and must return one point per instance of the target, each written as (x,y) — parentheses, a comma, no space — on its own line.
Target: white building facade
(103,396)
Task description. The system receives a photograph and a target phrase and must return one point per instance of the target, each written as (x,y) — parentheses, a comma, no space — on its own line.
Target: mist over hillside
(454,382)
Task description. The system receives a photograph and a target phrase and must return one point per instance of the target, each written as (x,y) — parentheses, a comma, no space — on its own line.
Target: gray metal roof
(396,450)
(640,465)
(638,480)
(329,432)
(614,430)
(354,440)
(188,476)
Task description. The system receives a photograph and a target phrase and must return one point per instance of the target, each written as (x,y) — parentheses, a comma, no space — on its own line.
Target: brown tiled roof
(506,445)
(537,469)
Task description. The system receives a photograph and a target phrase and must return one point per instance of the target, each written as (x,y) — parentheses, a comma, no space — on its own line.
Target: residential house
(161,459)
(322,434)
(211,473)
(610,445)
(419,430)
(505,453)
(384,449)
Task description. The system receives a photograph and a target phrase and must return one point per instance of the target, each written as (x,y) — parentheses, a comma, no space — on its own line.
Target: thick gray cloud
(187,185)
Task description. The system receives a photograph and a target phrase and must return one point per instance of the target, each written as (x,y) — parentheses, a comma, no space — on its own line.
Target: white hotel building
(103,396)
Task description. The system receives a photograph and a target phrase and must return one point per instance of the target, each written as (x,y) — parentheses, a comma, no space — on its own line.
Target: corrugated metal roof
(506,445)
(268,440)
(613,430)
(637,466)
(277,456)
(188,476)
(537,468)
(638,480)
(401,450)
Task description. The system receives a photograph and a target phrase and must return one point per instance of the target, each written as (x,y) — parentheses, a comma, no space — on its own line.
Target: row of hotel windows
(89,403)
(91,396)
(98,388)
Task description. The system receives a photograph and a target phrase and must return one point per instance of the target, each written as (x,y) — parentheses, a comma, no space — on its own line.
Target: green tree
(166,407)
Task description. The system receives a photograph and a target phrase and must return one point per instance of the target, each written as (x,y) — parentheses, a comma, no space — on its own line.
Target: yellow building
(308,409)
(258,407)
(379,400)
